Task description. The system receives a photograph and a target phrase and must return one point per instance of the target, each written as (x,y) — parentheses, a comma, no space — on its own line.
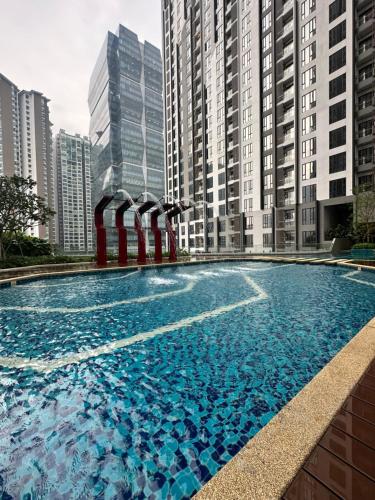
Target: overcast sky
(52,45)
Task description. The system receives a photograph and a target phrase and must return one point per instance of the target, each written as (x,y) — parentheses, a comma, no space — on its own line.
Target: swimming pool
(143,384)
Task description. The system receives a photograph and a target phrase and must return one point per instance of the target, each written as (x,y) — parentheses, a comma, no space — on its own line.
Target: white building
(73,174)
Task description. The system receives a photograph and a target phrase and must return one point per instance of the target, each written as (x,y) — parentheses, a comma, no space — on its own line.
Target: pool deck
(322,443)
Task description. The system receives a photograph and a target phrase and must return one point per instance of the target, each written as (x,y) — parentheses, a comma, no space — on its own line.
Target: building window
(267,221)
(308,238)
(337,188)
(248,187)
(248,204)
(268,201)
(308,30)
(309,147)
(249,240)
(309,124)
(365,156)
(221,194)
(307,6)
(309,77)
(308,216)
(221,178)
(336,8)
(337,86)
(366,100)
(308,54)
(366,72)
(337,163)
(337,112)
(249,222)
(309,101)
(268,181)
(337,60)
(309,193)
(365,128)
(337,137)
(337,34)
(267,240)
(309,170)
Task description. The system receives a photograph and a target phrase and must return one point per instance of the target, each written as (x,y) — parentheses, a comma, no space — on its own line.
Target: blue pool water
(167,388)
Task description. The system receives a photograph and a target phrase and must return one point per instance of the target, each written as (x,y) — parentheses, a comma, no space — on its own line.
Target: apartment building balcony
(286,29)
(367,110)
(367,82)
(287,95)
(286,139)
(287,51)
(365,53)
(286,117)
(287,202)
(365,136)
(286,160)
(365,23)
(285,8)
(287,73)
(228,25)
(286,182)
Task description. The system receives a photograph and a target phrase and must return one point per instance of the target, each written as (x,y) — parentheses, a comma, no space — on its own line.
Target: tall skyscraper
(73,173)
(269,108)
(26,144)
(10,160)
(126,127)
(36,152)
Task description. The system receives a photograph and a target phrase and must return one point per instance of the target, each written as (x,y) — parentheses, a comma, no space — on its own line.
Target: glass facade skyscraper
(126,127)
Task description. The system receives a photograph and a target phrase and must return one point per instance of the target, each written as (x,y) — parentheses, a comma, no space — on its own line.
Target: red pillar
(101,237)
(122,233)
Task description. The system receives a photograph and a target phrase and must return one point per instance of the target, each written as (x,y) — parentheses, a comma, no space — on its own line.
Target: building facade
(36,153)
(126,127)
(10,153)
(73,180)
(269,112)
(26,144)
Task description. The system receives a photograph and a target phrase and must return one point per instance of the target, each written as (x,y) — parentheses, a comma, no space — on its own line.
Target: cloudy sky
(52,45)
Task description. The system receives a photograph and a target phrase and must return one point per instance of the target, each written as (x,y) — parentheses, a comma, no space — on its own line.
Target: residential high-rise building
(26,144)
(36,152)
(10,161)
(269,112)
(126,127)
(73,176)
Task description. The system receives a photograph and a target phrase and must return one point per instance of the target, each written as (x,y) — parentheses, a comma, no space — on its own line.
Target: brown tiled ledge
(267,464)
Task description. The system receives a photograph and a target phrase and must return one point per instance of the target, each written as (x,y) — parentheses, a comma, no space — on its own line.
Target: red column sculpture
(157,232)
(101,238)
(122,232)
(140,231)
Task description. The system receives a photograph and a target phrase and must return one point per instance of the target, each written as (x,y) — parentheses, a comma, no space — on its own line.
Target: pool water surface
(143,384)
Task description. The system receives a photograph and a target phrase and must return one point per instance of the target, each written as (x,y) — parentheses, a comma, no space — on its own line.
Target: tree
(365,213)
(20,208)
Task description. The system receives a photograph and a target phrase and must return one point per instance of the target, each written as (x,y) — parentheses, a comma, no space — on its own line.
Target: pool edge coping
(274,259)
(264,468)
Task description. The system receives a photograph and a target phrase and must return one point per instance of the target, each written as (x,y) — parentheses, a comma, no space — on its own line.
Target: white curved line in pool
(50,365)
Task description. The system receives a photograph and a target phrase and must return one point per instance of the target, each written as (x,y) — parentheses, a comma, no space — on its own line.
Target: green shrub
(19,261)
(26,246)
(364,246)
